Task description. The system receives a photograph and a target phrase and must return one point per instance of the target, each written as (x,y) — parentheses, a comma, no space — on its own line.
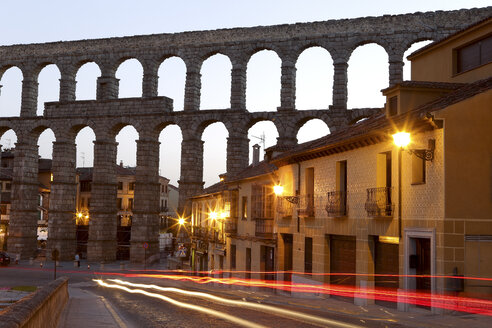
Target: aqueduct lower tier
(150,114)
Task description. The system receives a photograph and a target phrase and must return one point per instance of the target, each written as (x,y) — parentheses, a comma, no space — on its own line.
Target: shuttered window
(474,55)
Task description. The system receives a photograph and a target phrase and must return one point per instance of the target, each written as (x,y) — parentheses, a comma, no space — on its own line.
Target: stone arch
(362,113)
(365,81)
(215,71)
(10,90)
(175,88)
(207,121)
(257,80)
(81,85)
(8,136)
(170,150)
(48,76)
(311,128)
(314,77)
(129,86)
(214,149)
(85,148)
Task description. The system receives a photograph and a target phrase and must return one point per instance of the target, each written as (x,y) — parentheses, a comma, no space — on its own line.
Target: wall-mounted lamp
(402,140)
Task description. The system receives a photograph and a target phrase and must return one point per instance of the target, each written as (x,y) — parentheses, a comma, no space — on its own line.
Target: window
(473,55)
(261,201)
(383,175)
(120,185)
(131,186)
(308,255)
(165,203)
(130,203)
(307,201)
(8,186)
(119,203)
(244,208)
(233,257)
(85,186)
(418,170)
(393,106)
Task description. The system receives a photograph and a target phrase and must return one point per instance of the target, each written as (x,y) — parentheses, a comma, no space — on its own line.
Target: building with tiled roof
(355,209)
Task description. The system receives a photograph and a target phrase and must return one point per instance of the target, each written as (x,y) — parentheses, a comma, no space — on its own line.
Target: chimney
(121,163)
(256,154)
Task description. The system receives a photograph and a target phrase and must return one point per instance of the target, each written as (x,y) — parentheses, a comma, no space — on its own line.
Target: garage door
(342,259)
(386,263)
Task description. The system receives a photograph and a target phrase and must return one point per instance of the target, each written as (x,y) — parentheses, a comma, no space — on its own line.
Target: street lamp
(181,221)
(278,190)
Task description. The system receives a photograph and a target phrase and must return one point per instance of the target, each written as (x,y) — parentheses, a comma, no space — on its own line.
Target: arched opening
(368,73)
(407,68)
(214,152)
(11,92)
(7,141)
(84,142)
(263,81)
(45,178)
(170,140)
(264,134)
(172,78)
(86,78)
(314,79)
(311,130)
(130,74)
(49,86)
(216,82)
(125,178)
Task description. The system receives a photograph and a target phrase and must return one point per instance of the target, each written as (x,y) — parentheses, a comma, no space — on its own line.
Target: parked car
(4,258)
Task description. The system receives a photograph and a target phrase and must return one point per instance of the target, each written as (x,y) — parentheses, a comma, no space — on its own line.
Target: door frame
(414,233)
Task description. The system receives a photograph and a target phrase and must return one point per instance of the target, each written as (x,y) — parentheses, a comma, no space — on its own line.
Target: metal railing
(264,227)
(285,208)
(306,205)
(379,202)
(231,225)
(336,204)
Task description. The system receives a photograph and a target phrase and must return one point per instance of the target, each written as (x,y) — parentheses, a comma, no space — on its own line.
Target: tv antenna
(262,139)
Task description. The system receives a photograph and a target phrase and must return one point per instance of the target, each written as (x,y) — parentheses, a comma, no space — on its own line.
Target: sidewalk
(85,309)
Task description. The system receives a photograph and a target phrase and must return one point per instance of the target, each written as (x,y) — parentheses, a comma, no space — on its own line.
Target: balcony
(264,227)
(306,205)
(200,232)
(378,203)
(285,207)
(336,204)
(231,225)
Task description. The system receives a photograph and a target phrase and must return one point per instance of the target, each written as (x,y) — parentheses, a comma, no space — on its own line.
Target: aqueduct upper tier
(149,114)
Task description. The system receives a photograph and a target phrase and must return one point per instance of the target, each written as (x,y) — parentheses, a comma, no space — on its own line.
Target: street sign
(145,245)
(181,252)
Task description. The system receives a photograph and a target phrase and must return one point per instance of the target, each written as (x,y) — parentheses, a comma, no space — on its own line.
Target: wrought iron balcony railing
(306,205)
(286,206)
(231,225)
(336,205)
(264,227)
(379,202)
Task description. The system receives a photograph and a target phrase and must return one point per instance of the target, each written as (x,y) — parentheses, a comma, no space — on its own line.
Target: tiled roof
(251,171)
(430,45)
(44,165)
(375,128)
(427,85)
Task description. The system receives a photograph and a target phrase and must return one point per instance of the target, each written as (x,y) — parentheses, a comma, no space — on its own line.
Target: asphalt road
(143,311)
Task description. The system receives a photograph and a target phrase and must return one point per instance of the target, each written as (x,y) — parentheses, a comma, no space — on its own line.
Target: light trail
(215,313)
(261,307)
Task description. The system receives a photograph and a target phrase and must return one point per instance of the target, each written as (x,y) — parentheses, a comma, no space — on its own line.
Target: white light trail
(261,307)
(218,314)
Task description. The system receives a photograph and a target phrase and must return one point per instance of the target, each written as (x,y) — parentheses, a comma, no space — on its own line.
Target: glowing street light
(278,190)
(401,139)
(223,215)
(213,215)
(181,221)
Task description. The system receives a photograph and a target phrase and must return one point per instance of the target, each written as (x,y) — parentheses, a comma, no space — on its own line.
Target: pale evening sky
(55,20)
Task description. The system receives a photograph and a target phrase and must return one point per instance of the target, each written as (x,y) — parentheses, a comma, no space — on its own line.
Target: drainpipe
(400,202)
(298,193)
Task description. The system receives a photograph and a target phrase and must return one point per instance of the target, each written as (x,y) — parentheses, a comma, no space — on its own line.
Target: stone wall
(40,309)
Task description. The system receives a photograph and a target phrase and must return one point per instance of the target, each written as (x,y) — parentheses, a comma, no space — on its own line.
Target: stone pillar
(22,236)
(238,87)
(107,87)
(67,85)
(61,226)
(150,81)
(192,87)
(395,71)
(103,212)
(191,180)
(29,102)
(145,222)
(340,84)
(288,86)
(237,152)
